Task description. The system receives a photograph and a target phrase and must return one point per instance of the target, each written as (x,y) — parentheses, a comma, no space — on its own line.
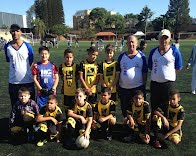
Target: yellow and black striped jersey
(109,70)
(70,78)
(57,113)
(140,113)
(175,114)
(105,109)
(90,72)
(85,110)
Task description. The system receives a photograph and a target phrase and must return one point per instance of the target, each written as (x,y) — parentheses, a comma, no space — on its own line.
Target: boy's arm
(36,82)
(131,120)
(175,129)
(76,116)
(82,80)
(165,121)
(56,76)
(89,123)
(103,84)
(41,118)
(115,80)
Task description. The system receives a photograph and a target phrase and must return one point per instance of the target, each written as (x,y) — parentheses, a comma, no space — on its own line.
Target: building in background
(7,19)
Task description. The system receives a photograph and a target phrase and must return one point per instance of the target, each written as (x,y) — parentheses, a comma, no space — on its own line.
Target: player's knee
(175,141)
(112,121)
(15,129)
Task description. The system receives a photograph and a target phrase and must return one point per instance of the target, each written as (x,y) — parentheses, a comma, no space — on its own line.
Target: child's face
(92,56)
(109,54)
(174,100)
(44,55)
(105,97)
(51,105)
(69,58)
(24,97)
(138,100)
(80,98)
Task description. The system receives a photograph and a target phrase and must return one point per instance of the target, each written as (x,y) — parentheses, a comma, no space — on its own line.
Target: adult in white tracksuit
(192,63)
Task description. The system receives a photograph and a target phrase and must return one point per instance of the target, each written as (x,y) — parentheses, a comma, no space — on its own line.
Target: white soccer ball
(82,142)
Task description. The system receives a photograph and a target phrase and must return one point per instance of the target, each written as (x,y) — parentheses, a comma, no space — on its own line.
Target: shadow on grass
(4,130)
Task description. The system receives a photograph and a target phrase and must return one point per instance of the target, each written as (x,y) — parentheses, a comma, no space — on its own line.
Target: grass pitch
(102,147)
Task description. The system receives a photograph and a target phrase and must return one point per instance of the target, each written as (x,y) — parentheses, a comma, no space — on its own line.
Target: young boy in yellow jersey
(49,119)
(80,117)
(88,75)
(138,115)
(169,119)
(109,71)
(104,115)
(69,74)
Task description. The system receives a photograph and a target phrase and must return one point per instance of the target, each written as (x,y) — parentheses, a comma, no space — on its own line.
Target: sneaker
(129,138)
(193,92)
(41,143)
(109,137)
(157,144)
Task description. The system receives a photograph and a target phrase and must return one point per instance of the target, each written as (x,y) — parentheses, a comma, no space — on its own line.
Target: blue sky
(121,6)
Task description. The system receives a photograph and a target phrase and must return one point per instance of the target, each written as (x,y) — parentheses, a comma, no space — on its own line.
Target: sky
(121,6)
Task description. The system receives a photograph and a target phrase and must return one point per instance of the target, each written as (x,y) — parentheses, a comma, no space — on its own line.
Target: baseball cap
(165,32)
(15,27)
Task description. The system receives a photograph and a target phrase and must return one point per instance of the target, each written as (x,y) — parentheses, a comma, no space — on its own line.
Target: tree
(143,19)
(40,27)
(50,11)
(59,29)
(131,20)
(87,33)
(98,17)
(30,14)
(119,23)
(178,15)
(160,23)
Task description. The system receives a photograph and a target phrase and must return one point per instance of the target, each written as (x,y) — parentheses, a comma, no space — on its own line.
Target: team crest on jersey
(90,71)
(46,72)
(109,71)
(69,74)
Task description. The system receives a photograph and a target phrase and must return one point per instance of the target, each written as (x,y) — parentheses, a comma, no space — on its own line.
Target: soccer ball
(82,142)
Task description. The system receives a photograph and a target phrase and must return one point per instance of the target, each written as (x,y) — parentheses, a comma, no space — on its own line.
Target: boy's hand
(83,120)
(86,135)
(101,119)
(54,121)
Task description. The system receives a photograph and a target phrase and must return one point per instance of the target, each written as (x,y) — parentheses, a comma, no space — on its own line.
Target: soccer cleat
(109,137)
(41,143)
(157,144)
(193,92)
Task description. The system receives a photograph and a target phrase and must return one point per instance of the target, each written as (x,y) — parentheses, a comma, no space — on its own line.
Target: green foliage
(59,29)
(40,27)
(87,33)
(178,15)
(50,11)
(143,18)
(30,14)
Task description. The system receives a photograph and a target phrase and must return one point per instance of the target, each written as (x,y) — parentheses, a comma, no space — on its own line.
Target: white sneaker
(193,92)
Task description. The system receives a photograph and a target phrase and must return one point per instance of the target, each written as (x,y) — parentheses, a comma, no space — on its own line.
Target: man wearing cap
(133,73)
(19,54)
(164,61)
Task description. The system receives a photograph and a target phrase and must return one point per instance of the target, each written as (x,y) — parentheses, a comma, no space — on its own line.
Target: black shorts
(69,101)
(160,93)
(92,99)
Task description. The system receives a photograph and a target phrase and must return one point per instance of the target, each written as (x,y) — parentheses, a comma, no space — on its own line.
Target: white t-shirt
(163,67)
(131,70)
(20,60)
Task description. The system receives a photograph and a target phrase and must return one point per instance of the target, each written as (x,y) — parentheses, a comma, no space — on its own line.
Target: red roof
(105,34)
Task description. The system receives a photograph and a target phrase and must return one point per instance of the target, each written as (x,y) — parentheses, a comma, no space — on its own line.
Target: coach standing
(19,54)
(164,61)
(133,73)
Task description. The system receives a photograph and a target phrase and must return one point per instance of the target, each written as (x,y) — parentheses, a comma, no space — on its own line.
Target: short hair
(43,48)
(109,47)
(52,97)
(68,50)
(106,90)
(80,90)
(138,92)
(23,90)
(174,92)
(92,49)
(142,42)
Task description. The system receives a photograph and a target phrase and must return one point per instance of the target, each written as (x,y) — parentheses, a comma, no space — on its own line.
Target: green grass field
(102,147)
